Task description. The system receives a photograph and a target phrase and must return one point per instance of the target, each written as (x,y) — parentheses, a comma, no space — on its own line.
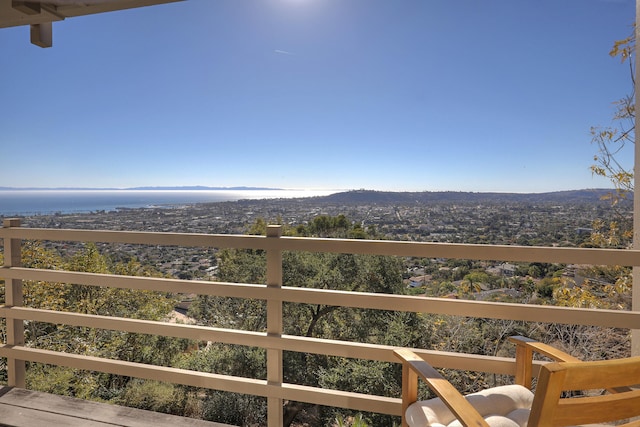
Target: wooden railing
(273,340)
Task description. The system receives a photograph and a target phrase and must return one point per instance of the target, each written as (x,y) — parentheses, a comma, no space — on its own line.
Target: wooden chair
(515,405)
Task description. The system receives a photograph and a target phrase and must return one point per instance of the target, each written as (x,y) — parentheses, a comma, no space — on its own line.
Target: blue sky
(407,95)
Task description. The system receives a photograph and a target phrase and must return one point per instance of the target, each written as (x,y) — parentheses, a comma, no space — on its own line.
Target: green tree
(611,140)
(239,409)
(137,304)
(474,279)
(357,273)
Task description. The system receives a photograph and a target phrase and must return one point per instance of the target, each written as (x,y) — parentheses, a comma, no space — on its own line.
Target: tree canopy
(611,140)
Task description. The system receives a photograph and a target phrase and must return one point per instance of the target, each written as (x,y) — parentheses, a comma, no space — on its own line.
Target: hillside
(390,197)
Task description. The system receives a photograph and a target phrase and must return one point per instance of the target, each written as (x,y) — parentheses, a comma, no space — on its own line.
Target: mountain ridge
(145,188)
(386,197)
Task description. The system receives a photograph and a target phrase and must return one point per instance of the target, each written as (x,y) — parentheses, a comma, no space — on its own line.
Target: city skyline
(322,94)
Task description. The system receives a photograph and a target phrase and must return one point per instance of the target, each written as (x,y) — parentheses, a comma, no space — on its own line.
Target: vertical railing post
(13,298)
(635,289)
(275,415)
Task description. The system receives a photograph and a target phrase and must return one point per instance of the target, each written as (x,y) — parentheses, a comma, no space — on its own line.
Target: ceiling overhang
(40,14)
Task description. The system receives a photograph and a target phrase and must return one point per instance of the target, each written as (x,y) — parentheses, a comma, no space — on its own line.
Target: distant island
(204,188)
(363,196)
(151,188)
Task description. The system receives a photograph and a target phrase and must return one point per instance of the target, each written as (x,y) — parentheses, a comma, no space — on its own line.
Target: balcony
(273,340)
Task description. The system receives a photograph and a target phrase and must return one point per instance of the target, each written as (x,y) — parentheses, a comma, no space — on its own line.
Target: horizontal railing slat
(358,401)
(358,350)
(341,399)
(260,387)
(466,308)
(137,237)
(594,256)
(235,290)
(176,330)
(138,370)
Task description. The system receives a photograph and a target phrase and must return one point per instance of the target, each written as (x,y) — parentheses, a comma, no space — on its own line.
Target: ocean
(48,202)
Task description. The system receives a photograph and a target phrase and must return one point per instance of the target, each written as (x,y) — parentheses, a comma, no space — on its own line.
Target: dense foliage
(533,283)
(141,348)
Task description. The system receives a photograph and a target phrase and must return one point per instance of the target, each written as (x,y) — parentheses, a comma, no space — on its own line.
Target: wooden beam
(275,412)
(14,297)
(42,34)
(26,7)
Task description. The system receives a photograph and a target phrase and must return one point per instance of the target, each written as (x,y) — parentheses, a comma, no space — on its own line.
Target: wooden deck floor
(26,408)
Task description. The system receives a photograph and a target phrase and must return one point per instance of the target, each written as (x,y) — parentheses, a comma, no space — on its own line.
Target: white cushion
(504,406)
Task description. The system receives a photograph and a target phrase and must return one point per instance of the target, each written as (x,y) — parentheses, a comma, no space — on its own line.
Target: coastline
(36,202)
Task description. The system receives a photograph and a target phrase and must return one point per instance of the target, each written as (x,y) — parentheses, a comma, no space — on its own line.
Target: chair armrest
(414,367)
(524,360)
(525,347)
(544,349)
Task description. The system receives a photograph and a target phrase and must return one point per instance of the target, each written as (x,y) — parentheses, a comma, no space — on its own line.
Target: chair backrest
(551,409)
